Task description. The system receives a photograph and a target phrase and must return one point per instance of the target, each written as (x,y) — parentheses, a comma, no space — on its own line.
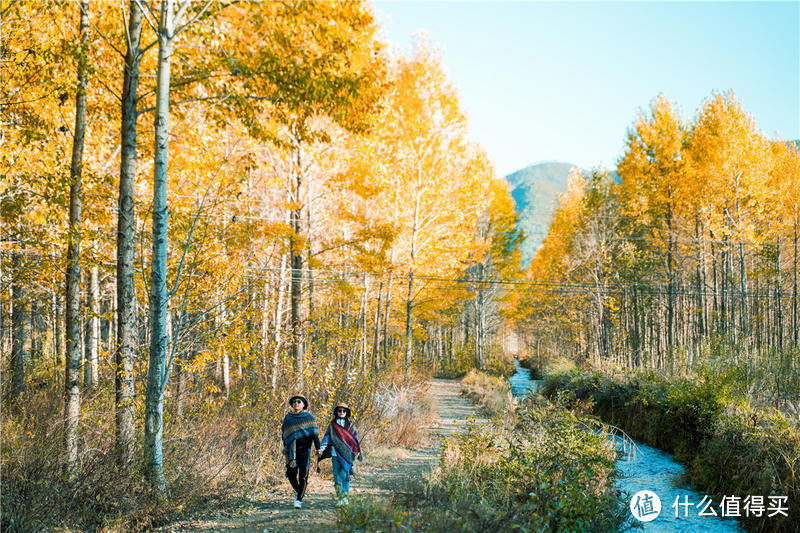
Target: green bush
(374,515)
(728,449)
(545,471)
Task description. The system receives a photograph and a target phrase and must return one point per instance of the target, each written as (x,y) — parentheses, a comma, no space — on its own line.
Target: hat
(343,406)
(299,397)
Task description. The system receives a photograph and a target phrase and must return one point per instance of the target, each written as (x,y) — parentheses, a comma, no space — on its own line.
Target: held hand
(292,464)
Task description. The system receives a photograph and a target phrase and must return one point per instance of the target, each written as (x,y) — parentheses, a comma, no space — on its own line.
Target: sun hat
(299,397)
(341,405)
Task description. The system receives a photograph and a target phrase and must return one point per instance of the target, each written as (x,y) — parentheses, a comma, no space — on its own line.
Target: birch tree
(72,396)
(301,80)
(428,130)
(126,244)
(172,20)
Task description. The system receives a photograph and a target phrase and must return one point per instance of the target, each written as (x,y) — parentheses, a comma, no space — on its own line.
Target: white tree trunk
(125,297)
(72,394)
(226,361)
(20,333)
(278,324)
(92,348)
(156,371)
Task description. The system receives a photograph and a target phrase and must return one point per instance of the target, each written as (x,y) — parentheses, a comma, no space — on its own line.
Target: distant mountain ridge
(535,190)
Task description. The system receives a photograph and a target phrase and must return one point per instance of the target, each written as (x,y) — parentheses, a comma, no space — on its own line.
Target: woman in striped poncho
(341,440)
(298,432)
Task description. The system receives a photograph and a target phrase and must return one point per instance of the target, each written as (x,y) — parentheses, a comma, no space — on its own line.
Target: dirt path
(381,473)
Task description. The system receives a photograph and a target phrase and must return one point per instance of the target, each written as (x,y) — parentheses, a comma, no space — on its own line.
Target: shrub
(458,364)
(375,515)
(546,471)
(491,393)
(549,471)
(733,450)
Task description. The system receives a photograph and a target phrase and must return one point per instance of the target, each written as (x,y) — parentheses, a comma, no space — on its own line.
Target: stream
(643,467)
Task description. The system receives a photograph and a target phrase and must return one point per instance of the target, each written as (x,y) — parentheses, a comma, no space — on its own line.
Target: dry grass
(492,393)
(203,465)
(406,412)
(221,451)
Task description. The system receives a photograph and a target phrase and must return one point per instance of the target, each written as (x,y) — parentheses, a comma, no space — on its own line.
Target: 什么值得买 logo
(645,505)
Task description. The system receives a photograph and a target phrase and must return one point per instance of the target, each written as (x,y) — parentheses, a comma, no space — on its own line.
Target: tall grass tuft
(491,393)
(406,413)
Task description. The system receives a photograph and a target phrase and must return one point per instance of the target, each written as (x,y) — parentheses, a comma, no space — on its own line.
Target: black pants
(298,476)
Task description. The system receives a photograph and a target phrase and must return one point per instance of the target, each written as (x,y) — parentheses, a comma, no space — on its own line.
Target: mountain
(535,190)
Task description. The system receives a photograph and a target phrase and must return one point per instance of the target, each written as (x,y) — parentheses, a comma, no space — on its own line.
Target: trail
(380,474)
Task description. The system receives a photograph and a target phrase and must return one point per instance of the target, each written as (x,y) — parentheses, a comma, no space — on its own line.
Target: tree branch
(149,15)
(148,47)
(101,34)
(188,243)
(182,11)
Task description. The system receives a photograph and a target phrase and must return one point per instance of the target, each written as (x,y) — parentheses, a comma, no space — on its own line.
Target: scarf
(345,441)
(297,426)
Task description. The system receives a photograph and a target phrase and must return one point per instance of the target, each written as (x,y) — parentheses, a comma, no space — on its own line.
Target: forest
(688,262)
(207,206)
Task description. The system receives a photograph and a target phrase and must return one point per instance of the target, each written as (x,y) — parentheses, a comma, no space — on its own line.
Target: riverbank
(532,467)
(732,450)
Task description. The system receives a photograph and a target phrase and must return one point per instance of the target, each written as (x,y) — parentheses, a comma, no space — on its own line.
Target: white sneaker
(298,504)
(339,502)
(345,501)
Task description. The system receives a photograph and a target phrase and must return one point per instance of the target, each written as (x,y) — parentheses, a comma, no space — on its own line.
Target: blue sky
(564,80)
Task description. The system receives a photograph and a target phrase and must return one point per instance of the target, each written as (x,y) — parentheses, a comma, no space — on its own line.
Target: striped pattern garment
(345,443)
(297,426)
